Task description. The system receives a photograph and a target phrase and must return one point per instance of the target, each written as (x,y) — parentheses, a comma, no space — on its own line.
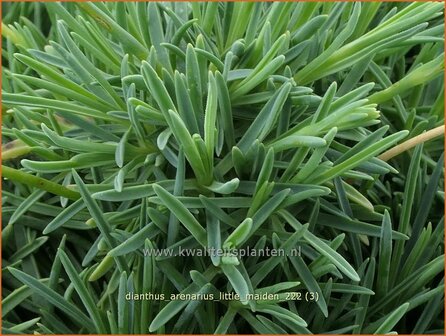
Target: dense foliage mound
(130,127)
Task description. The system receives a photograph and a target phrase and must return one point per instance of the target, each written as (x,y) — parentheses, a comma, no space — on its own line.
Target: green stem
(38,182)
(420,76)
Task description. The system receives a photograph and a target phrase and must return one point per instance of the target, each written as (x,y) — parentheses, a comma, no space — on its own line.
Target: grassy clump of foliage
(158,125)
